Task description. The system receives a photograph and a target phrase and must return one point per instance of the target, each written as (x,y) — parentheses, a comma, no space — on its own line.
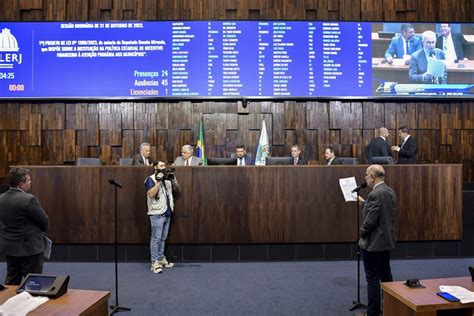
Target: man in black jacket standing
(379,147)
(408,149)
(377,235)
(22,223)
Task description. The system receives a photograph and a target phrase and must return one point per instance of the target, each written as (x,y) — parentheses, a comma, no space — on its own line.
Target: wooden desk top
(74,302)
(377,64)
(425,299)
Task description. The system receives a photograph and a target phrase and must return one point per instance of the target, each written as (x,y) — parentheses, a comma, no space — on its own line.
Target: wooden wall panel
(58,133)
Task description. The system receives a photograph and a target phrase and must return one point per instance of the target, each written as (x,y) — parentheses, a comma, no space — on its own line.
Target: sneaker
(156,267)
(165,263)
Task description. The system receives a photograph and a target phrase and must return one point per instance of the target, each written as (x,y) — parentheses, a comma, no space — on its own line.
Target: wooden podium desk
(400,300)
(74,302)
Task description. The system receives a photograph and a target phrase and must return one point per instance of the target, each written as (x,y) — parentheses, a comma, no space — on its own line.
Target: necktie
(408,48)
(241,163)
(146,161)
(187,163)
(403,143)
(296,161)
(445,44)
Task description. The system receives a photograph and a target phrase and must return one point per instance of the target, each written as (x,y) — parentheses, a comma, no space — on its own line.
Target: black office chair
(349,160)
(82,161)
(382,160)
(126,161)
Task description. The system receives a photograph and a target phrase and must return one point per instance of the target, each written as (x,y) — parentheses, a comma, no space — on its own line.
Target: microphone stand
(116,308)
(357,303)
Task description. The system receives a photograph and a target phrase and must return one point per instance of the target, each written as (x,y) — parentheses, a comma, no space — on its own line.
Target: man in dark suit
(402,46)
(377,235)
(454,45)
(296,154)
(144,158)
(379,146)
(408,149)
(242,158)
(187,157)
(22,222)
(330,157)
(418,70)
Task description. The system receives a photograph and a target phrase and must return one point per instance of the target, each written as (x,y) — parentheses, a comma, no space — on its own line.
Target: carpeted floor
(256,288)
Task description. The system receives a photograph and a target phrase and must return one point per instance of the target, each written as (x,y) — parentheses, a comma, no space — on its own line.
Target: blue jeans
(377,268)
(159,232)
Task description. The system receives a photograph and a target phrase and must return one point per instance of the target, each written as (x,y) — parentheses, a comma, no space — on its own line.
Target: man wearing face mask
(377,235)
(418,71)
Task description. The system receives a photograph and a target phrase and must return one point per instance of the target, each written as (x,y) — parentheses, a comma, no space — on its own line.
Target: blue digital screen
(207,59)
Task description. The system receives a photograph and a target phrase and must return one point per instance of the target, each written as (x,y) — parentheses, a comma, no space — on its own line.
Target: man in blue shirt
(402,46)
(160,187)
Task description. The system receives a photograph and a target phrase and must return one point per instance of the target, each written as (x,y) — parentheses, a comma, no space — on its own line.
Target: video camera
(168,173)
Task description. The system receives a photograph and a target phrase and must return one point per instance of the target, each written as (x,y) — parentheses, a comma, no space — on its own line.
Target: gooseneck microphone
(360,187)
(114,182)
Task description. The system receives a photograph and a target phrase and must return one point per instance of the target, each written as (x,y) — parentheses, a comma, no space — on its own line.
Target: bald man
(379,146)
(377,235)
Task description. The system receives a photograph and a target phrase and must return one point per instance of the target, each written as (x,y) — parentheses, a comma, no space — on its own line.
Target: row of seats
(82,161)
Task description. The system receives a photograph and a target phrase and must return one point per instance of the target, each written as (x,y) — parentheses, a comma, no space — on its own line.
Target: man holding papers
(377,235)
(427,64)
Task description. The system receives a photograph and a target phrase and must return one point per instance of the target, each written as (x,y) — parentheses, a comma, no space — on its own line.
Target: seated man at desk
(242,158)
(418,71)
(402,46)
(454,45)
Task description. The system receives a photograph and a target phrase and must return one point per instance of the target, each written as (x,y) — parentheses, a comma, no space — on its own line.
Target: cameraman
(160,187)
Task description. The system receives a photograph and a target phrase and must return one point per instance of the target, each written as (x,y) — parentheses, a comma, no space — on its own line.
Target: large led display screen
(234,59)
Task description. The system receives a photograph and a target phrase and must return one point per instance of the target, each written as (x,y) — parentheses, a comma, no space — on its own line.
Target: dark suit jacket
(195,161)
(419,65)
(301,161)
(335,161)
(377,147)
(248,160)
(461,46)
(377,232)
(23,222)
(138,160)
(407,153)
(396,49)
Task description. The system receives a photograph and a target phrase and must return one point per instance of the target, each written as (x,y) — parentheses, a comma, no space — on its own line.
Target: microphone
(360,187)
(113,182)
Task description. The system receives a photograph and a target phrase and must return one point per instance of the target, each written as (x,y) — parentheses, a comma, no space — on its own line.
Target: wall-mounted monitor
(279,161)
(222,161)
(234,60)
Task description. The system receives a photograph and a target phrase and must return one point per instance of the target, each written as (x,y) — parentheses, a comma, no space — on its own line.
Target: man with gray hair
(144,158)
(418,71)
(187,158)
(377,235)
(23,222)
(379,147)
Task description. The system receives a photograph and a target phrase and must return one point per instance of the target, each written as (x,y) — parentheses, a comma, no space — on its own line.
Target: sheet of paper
(398,61)
(464,295)
(48,244)
(22,304)
(435,67)
(347,185)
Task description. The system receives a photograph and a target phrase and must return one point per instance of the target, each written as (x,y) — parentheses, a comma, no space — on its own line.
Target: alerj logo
(9,55)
